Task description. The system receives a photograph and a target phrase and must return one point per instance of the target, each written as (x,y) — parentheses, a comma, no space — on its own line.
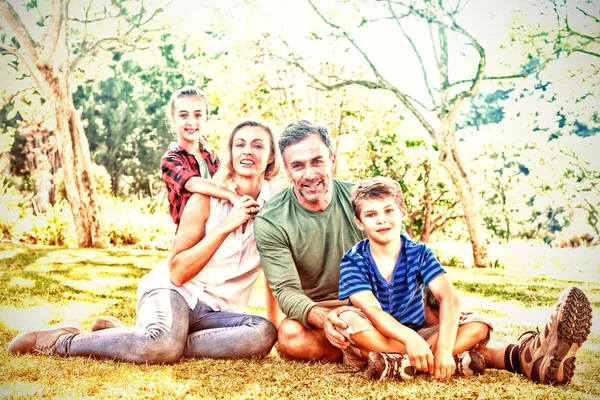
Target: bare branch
(412,44)
(490,78)
(589,52)
(380,78)
(11,19)
(52,33)
(480,69)
(12,96)
(83,43)
(452,25)
(27,52)
(588,15)
(441,225)
(458,7)
(368,21)
(436,56)
(381,83)
(121,41)
(87,19)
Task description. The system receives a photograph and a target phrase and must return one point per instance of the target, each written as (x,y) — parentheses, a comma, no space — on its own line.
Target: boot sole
(573,329)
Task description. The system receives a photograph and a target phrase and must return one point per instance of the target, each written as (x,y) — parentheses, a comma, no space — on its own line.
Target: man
(302,234)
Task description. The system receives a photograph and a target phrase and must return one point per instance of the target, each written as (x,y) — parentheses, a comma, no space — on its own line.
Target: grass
(44,285)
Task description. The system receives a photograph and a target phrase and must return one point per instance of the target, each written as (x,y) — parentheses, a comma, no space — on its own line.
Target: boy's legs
(365,338)
(217,334)
(473,330)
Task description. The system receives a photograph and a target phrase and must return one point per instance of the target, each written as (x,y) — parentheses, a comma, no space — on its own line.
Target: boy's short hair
(376,188)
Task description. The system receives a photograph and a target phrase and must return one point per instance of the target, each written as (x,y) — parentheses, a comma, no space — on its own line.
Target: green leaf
(31,5)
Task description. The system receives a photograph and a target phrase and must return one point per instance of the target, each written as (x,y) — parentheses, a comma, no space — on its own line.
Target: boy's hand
(445,366)
(420,354)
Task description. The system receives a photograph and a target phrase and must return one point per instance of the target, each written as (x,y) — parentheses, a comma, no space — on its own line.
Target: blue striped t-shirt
(402,297)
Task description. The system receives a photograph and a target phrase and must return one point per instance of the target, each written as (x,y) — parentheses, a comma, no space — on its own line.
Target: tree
(52,61)
(125,114)
(563,27)
(437,112)
(428,193)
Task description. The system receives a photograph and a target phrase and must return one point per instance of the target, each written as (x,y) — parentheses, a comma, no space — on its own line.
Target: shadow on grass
(32,274)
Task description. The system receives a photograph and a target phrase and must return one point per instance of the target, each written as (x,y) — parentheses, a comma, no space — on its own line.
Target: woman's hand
(244,210)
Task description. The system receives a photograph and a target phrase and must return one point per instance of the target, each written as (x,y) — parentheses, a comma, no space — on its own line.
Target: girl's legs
(158,337)
(218,334)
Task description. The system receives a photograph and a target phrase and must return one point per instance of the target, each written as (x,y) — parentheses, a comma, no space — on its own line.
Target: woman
(184,306)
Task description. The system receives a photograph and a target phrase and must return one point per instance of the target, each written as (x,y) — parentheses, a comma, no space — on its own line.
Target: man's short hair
(299,130)
(376,188)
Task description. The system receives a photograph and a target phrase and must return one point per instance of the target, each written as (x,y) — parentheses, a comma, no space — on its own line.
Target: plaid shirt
(177,167)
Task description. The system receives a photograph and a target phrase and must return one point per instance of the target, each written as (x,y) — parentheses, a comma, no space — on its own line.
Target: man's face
(309,165)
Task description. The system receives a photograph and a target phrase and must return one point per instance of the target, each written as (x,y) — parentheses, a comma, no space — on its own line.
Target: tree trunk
(449,159)
(73,148)
(427,220)
(76,164)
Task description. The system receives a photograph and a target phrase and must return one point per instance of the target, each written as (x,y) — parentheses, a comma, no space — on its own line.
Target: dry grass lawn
(44,285)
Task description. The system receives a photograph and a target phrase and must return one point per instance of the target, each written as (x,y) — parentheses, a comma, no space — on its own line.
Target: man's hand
(420,354)
(444,364)
(332,320)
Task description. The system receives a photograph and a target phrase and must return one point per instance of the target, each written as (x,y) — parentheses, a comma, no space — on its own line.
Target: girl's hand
(234,198)
(244,210)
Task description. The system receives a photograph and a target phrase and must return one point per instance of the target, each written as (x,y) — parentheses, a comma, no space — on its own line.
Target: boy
(384,276)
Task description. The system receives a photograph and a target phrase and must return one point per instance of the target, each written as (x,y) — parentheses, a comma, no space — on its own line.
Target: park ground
(45,285)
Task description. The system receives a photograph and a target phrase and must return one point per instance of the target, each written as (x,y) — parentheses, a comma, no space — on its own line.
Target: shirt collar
(266,192)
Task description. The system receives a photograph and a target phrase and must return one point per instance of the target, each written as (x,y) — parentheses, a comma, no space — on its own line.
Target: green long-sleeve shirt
(301,250)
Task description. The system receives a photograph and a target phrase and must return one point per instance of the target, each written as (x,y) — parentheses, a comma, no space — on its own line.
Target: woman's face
(189,119)
(251,151)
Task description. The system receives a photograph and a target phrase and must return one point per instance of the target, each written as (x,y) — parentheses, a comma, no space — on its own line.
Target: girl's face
(189,119)
(251,151)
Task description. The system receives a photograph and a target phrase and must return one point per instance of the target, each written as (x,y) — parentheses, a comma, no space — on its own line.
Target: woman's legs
(158,337)
(218,334)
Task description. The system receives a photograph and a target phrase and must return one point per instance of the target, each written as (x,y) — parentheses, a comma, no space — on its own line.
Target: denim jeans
(167,330)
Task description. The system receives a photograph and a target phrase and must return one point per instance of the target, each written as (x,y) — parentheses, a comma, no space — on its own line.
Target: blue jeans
(167,330)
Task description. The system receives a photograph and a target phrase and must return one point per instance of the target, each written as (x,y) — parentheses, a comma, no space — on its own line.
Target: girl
(185,306)
(188,164)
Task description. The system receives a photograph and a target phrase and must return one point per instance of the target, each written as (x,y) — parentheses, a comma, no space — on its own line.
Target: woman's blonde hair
(226,172)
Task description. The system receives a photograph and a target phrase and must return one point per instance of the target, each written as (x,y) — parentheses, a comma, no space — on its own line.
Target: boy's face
(381,219)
